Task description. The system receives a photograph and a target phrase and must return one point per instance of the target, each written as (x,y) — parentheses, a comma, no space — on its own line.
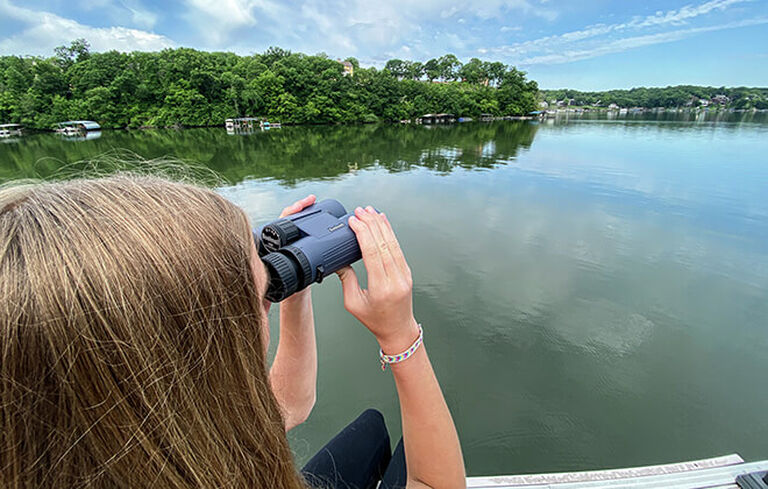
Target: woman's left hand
(298,206)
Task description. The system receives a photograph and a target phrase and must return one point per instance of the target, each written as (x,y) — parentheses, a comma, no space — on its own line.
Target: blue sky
(590,44)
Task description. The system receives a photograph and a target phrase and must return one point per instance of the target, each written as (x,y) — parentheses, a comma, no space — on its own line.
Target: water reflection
(80,136)
(291,154)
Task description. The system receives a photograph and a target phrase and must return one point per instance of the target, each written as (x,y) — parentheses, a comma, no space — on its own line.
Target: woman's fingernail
(352,219)
(370,209)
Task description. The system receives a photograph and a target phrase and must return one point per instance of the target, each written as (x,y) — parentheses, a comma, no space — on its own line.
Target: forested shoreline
(186,87)
(739,98)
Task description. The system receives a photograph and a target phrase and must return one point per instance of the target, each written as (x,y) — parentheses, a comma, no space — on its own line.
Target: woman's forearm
(294,371)
(432,450)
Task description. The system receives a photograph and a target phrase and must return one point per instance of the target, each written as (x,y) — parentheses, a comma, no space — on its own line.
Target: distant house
(721,99)
(543,104)
(613,106)
(349,68)
(703,102)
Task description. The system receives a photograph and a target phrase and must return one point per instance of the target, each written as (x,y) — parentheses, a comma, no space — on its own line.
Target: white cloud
(620,45)
(345,26)
(139,15)
(601,39)
(42,31)
(220,21)
(659,19)
(684,13)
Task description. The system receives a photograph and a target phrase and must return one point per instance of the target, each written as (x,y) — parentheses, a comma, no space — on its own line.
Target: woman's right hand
(386,306)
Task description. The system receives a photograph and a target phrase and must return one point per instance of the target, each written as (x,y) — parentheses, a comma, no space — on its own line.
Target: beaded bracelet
(386,359)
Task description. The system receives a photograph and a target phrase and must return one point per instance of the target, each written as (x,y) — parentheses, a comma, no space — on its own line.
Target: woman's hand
(386,307)
(298,206)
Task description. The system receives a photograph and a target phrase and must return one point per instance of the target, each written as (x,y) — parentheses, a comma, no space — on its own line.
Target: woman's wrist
(399,339)
(296,311)
(300,298)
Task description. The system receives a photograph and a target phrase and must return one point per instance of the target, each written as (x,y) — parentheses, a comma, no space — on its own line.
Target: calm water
(594,292)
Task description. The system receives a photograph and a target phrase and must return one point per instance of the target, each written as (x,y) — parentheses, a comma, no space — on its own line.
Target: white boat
(76,128)
(9,130)
(727,472)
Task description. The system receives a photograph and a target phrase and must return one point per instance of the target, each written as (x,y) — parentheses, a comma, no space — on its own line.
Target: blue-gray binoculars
(304,248)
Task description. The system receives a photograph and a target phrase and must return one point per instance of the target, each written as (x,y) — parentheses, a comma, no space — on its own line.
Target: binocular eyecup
(289,271)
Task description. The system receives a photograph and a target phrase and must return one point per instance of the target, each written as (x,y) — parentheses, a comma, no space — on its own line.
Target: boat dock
(713,473)
(8,130)
(436,119)
(76,128)
(248,125)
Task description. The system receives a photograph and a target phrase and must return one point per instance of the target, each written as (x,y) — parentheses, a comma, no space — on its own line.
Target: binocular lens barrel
(283,276)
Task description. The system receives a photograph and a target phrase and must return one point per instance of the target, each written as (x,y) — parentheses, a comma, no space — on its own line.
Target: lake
(593,291)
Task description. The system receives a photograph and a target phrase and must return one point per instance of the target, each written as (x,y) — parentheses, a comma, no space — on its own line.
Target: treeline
(677,96)
(449,68)
(194,88)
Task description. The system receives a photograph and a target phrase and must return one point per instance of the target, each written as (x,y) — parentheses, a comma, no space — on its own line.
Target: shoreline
(544,113)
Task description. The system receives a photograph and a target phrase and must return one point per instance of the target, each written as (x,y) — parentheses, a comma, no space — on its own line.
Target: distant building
(543,104)
(436,119)
(613,106)
(703,102)
(349,68)
(721,99)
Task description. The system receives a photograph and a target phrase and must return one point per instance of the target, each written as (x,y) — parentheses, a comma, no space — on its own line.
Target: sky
(586,45)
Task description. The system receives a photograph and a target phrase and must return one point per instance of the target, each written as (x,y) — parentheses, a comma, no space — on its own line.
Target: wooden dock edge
(607,478)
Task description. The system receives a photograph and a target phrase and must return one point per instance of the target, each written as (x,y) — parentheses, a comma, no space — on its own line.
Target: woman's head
(131,347)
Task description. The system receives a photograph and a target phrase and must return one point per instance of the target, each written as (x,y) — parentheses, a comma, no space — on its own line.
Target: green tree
(77,51)
(449,67)
(432,69)
(397,67)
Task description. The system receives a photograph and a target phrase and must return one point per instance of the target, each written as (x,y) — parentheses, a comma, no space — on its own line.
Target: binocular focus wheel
(278,234)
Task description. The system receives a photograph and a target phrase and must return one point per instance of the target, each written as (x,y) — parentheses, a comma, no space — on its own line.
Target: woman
(134,332)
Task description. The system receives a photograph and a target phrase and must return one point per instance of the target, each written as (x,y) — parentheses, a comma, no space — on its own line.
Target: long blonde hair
(131,353)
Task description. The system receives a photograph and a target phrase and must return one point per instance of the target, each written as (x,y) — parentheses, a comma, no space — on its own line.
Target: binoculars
(304,248)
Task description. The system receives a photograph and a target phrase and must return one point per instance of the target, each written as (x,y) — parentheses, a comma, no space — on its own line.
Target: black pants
(358,458)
